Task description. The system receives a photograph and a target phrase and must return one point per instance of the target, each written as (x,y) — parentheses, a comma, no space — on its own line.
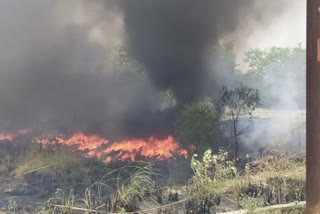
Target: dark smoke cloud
(55,76)
(173,38)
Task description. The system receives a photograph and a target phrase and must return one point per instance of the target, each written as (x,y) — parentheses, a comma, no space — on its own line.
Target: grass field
(61,180)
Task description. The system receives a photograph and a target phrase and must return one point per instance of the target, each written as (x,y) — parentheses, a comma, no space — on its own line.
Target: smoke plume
(173,38)
(57,70)
(284,94)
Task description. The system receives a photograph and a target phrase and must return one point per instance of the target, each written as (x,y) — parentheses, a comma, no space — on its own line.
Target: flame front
(11,136)
(85,142)
(152,148)
(127,150)
(80,140)
(96,146)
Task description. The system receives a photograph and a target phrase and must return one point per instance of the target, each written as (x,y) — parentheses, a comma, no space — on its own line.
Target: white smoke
(281,124)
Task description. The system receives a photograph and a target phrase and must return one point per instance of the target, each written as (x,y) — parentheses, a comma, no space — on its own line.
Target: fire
(11,136)
(4,136)
(96,146)
(127,150)
(152,148)
(80,140)
(85,142)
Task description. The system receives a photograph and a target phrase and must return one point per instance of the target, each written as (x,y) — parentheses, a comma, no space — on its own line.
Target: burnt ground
(17,194)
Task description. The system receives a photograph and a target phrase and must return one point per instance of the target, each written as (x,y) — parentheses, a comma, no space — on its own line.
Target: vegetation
(198,126)
(263,62)
(61,179)
(206,186)
(279,69)
(216,185)
(236,103)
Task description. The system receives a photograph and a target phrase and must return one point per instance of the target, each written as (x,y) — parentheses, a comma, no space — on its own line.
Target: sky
(288,29)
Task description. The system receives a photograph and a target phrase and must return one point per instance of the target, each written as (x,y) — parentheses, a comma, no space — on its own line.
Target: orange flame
(80,140)
(85,142)
(7,136)
(127,150)
(152,148)
(11,136)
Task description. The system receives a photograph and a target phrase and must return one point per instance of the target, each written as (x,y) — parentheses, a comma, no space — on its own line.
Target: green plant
(250,204)
(197,125)
(272,67)
(12,206)
(206,186)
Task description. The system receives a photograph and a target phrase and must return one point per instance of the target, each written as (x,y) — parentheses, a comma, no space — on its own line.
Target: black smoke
(174,38)
(55,76)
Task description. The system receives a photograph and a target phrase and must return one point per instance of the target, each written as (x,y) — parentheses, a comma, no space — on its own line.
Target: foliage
(197,125)
(263,62)
(277,68)
(206,186)
(12,206)
(168,99)
(125,62)
(211,171)
(241,101)
(250,204)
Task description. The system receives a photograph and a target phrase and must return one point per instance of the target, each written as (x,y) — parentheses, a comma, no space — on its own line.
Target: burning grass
(99,147)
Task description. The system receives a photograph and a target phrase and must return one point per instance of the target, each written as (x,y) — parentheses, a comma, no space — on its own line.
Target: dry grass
(122,195)
(133,187)
(59,158)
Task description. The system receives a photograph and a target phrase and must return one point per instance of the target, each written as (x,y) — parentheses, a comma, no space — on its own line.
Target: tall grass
(121,195)
(272,179)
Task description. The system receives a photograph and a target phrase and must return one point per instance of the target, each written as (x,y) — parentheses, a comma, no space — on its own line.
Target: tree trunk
(235,140)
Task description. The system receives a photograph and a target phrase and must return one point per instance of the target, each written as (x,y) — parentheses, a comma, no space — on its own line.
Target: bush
(207,184)
(197,126)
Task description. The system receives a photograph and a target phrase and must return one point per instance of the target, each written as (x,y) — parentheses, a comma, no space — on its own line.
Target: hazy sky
(288,29)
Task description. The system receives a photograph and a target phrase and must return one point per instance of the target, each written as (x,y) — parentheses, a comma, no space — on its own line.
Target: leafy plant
(206,186)
(12,206)
(250,204)
(197,126)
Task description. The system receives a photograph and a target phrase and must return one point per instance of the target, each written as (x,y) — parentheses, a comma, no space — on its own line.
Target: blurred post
(313,107)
